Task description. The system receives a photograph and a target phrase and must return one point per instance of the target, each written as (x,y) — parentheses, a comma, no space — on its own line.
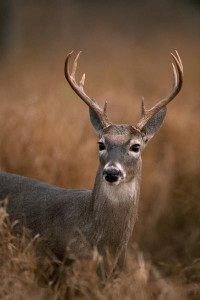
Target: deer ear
(95,120)
(153,125)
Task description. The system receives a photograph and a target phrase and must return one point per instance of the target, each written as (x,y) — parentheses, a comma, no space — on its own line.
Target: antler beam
(101,113)
(178,81)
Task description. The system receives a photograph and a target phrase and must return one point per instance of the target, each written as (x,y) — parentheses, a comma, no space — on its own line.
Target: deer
(103,217)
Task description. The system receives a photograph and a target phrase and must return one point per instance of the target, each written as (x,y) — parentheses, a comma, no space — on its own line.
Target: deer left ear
(95,120)
(153,125)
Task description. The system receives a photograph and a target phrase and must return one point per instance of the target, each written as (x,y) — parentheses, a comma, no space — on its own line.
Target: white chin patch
(113,183)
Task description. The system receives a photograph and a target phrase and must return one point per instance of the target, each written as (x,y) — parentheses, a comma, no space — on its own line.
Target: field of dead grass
(45,133)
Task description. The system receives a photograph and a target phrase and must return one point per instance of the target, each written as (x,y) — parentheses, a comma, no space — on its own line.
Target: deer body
(51,211)
(104,217)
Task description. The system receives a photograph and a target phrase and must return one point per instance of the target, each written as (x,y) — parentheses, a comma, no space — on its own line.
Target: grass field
(45,133)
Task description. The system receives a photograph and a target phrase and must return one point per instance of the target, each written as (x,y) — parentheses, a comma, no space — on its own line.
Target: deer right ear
(95,120)
(153,125)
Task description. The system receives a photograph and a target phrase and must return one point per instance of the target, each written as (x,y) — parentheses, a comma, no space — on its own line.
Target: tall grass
(45,133)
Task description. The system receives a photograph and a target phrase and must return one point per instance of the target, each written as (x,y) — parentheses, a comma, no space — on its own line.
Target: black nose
(111,174)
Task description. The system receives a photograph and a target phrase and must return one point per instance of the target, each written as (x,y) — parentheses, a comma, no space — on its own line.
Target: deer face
(120,148)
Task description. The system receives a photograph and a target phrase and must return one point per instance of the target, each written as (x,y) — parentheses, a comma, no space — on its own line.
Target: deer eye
(101,146)
(135,148)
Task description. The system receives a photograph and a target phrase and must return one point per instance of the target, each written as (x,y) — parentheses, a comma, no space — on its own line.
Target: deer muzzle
(111,174)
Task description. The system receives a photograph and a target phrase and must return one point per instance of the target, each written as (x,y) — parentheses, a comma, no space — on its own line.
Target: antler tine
(82,81)
(178,82)
(75,65)
(80,91)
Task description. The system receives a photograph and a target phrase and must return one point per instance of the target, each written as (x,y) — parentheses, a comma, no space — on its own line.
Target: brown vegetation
(45,133)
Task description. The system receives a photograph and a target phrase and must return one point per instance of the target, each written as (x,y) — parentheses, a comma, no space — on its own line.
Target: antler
(178,81)
(101,113)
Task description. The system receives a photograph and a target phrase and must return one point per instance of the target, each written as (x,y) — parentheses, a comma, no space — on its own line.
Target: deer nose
(111,174)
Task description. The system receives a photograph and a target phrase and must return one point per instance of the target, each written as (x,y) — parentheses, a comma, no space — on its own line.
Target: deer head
(120,146)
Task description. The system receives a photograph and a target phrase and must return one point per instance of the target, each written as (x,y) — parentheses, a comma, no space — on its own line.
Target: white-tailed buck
(104,216)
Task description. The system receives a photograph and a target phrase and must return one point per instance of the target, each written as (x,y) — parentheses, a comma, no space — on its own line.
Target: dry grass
(45,133)
(25,276)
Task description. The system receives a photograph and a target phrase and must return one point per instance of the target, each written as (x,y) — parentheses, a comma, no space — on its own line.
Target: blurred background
(45,131)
